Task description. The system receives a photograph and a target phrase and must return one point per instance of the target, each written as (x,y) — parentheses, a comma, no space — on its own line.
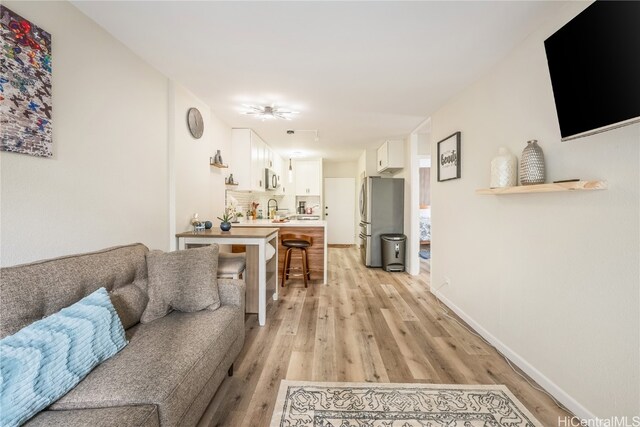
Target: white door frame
(413,225)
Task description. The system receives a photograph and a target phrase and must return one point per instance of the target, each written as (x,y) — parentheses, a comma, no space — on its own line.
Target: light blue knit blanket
(43,361)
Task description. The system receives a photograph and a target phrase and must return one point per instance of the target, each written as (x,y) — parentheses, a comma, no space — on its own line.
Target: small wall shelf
(546,188)
(235,184)
(219,165)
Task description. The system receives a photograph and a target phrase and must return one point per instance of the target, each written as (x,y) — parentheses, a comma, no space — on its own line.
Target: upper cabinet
(390,157)
(251,156)
(308,177)
(248,159)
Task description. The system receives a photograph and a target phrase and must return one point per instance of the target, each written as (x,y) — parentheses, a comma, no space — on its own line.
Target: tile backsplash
(245,198)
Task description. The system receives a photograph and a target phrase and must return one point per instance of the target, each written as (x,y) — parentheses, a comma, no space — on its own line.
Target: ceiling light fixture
(267,112)
(290,171)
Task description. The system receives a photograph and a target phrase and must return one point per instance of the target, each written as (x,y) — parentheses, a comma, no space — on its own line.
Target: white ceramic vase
(504,169)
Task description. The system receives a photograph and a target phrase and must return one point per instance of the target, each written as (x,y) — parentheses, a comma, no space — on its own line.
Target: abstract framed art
(25,86)
(449,157)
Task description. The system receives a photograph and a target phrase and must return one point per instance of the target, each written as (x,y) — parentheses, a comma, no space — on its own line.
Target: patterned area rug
(302,403)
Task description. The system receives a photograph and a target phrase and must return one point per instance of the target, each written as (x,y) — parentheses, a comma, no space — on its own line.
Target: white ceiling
(358,72)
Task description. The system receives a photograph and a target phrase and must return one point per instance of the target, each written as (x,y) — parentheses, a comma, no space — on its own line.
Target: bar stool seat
(291,242)
(231,265)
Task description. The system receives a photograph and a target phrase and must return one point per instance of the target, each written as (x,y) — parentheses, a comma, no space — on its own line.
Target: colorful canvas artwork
(25,86)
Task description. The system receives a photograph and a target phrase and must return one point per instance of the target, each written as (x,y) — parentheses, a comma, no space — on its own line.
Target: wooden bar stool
(291,242)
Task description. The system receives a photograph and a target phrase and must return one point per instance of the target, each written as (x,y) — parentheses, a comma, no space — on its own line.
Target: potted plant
(239,217)
(225,222)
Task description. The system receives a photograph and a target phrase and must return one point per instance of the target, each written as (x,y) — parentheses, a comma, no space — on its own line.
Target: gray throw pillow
(129,302)
(182,280)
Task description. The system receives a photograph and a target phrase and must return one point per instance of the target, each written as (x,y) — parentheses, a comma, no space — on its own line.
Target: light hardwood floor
(365,325)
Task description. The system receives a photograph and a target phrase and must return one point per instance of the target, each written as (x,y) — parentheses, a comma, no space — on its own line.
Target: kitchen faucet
(269,207)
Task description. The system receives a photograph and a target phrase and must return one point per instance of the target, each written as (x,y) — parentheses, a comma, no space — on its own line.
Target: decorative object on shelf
(230,180)
(208,225)
(196,223)
(225,221)
(195,123)
(265,112)
(532,164)
(217,158)
(504,169)
(449,158)
(25,85)
(239,218)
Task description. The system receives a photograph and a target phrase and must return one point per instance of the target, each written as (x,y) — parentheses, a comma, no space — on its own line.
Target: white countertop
(291,223)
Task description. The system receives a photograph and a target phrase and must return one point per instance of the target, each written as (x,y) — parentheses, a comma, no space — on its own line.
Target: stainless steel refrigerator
(381,212)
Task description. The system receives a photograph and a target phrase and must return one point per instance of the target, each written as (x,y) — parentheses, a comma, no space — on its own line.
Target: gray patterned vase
(532,164)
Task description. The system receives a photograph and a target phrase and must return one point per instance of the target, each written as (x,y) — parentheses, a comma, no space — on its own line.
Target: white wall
(107,182)
(199,188)
(552,278)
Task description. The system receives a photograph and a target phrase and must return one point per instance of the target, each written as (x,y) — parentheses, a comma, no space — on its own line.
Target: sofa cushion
(130,416)
(31,291)
(167,363)
(231,264)
(182,280)
(129,302)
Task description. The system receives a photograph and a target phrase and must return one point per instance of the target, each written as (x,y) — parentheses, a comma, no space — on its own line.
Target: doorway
(340,208)
(424,180)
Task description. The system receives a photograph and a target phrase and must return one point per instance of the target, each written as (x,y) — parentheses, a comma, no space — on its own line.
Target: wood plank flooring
(365,325)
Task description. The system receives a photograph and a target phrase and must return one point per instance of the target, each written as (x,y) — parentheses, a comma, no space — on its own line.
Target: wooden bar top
(235,232)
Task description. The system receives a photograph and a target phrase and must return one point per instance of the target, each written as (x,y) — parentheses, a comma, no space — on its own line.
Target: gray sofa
(171,368)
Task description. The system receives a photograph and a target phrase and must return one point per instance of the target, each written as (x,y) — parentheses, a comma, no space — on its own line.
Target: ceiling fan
(268,112)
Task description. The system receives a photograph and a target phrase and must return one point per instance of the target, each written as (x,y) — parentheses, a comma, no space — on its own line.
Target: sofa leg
(231,370)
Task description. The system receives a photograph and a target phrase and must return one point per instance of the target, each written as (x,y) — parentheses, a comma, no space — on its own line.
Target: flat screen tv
(594,63)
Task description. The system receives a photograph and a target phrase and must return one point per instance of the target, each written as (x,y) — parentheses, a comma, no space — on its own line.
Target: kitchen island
(318,254)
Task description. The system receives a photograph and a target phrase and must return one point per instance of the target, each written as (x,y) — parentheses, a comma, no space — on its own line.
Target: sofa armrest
(232,292)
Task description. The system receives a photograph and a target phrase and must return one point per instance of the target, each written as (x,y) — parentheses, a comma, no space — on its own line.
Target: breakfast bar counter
(316,229)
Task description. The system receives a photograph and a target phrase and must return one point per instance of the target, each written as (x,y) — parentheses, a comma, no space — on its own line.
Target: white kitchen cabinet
(308,179)
(390,157)
(248,160)
(268,158)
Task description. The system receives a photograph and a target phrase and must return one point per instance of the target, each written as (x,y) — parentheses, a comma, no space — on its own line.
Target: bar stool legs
(286,267)
(296,241)
(305,271)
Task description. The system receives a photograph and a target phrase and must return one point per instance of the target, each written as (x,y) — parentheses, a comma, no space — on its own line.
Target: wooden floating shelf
(546,188)
(234,184)
(218,165)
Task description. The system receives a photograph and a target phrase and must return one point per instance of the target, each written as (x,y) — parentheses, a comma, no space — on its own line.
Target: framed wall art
(449,158)
(25,86)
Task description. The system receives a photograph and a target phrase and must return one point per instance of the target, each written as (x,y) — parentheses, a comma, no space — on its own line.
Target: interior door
(340,210)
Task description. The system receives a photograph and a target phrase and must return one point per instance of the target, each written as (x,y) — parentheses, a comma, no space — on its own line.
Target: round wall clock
(195,123)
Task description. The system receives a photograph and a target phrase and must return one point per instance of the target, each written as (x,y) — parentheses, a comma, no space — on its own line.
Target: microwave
(271,180)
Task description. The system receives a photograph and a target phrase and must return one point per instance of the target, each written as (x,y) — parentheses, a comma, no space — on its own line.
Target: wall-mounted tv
(594,63)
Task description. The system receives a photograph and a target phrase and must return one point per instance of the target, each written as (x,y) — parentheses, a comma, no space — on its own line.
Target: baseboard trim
(552,388)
